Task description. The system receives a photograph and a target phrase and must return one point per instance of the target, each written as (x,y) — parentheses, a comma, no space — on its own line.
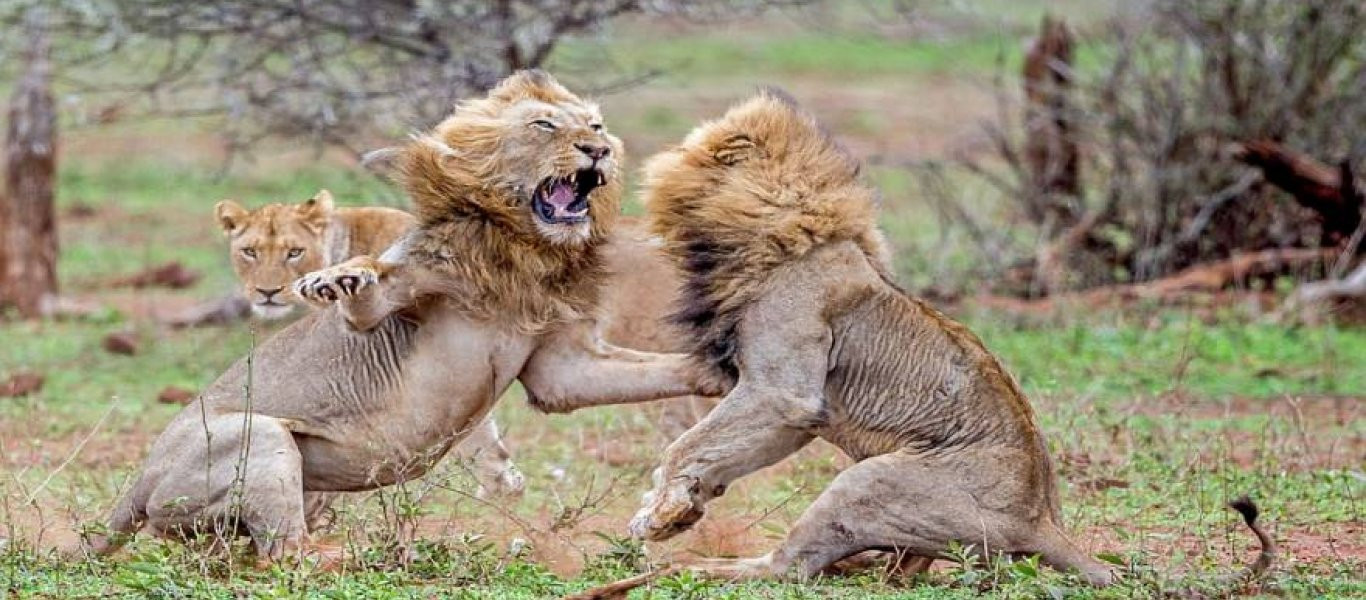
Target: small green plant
(622,557)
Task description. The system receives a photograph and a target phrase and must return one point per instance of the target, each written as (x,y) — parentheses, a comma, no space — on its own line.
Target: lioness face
(272,246)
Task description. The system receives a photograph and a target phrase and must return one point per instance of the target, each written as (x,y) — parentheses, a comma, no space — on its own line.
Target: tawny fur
(727,228)
(789,295)
(323,234)
(642,288)
(493,262)
(413,351)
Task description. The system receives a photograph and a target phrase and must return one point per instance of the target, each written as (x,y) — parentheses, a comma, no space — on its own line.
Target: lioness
(515,193)
(275,244)
(789,295)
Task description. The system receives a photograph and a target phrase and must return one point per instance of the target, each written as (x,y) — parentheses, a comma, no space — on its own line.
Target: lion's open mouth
(564,200)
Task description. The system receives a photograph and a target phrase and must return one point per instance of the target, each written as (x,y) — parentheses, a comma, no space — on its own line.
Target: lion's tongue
(561,196)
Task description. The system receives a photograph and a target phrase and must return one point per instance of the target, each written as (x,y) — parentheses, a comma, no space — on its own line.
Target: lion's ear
(383,162)
(317,210)
(230,215)
(735,149)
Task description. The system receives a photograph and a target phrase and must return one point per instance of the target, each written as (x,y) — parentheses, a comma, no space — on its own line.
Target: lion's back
(905,375)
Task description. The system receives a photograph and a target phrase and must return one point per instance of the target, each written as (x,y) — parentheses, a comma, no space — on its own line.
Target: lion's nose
(594,152)
(270,293)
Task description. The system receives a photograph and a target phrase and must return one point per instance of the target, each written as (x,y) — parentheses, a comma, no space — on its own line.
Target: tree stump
(28,227)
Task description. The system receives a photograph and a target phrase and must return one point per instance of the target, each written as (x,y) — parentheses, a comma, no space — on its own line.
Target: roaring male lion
(273,245)
(515,193)
(789,296)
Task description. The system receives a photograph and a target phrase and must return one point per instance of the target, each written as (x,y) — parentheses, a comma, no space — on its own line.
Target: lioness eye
(296,252)
(249,252)
(543,124)
(596,126)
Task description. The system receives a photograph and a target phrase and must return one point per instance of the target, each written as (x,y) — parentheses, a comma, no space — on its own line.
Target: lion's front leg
(744,433)
(363,289)
(575,369)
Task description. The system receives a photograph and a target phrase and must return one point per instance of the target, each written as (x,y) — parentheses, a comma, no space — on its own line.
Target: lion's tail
(128,516)
(1228,585)
(1248,509)
(619,589)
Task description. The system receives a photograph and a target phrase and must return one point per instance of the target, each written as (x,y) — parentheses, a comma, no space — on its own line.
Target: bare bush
(1177,86)
(336,72)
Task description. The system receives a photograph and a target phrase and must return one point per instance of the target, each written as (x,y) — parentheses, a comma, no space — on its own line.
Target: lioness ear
(321,202)
(317,210)
(734,149)
(230,215)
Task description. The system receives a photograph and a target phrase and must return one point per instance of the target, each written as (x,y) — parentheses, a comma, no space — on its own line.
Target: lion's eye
(543,124)
(296,252)
(249,252)
(596,126)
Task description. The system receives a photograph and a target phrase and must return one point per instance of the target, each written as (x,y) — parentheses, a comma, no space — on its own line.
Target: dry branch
(1238,271)
(1050,146)
(1330,192)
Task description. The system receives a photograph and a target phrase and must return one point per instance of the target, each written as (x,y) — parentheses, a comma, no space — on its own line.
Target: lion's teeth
(602,179)
(574,177)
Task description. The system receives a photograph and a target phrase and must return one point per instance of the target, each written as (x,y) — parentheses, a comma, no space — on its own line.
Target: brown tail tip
(1246,507)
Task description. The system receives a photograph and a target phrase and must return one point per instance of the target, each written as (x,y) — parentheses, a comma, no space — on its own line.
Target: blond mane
(760,187)
(476,230)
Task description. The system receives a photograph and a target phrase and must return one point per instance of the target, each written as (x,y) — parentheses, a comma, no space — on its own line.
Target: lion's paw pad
(331,284)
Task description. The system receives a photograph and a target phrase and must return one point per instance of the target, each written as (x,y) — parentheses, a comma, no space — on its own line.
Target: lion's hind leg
(483,451)
(918,507)
(231,475)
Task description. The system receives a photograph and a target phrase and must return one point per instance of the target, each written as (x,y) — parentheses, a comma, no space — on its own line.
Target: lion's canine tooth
(574,177)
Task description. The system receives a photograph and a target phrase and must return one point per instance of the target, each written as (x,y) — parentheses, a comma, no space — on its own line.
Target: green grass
(1181,352)
(851,57)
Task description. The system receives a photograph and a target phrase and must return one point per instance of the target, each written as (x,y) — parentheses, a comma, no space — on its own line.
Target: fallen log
(1209,277)
(1330,192)
(171,275)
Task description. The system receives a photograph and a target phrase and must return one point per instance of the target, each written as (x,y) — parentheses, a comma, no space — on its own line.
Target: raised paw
(325,286)
(668,511)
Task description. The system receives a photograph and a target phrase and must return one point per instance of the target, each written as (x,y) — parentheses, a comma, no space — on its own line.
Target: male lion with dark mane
(515,194)
(789,297)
